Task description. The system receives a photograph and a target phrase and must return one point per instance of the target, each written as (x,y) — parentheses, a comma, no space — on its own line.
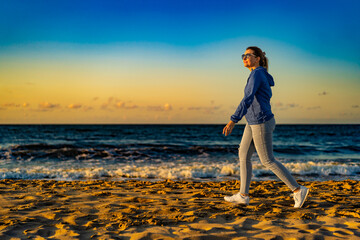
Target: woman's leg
(262,137)
(246,149)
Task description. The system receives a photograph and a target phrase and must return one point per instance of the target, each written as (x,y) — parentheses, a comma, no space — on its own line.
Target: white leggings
(259,137)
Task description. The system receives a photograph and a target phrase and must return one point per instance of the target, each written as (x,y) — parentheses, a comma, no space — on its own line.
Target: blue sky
(328,28)
(313,47)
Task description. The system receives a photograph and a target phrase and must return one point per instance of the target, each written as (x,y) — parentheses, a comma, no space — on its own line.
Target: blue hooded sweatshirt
(255,105)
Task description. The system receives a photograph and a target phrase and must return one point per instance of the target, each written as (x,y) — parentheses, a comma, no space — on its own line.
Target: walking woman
(255,106)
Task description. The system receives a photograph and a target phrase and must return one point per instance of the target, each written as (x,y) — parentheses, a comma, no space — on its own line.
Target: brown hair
(264,61)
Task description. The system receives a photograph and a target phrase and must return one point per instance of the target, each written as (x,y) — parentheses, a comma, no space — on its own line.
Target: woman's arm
(251,88)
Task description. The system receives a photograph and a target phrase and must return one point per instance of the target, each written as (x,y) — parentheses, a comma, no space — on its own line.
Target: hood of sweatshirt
(269,78)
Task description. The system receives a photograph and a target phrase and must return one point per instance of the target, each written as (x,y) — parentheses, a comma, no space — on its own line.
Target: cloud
(165,107)
(196,108)
(112,102)
(115,103)
(104,106)
(123,105)
(355,106)
(45,106)
(25,104)
(131,106)
(207,110)
(283,106)
(87,108)
(120,104)
(292,105)
(314,108)
(346,114)
(74,106)
(155,108)
(278,104)
(108,103)
(14,105)
(323,93)
(11,105)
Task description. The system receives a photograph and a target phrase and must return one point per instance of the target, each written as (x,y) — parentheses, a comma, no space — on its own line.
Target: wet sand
(37,209)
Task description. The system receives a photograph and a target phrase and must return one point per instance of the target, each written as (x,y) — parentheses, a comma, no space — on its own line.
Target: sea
(176,152)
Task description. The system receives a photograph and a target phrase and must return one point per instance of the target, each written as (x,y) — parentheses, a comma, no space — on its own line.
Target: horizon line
(5,124)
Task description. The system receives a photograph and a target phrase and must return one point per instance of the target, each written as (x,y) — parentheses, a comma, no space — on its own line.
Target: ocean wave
(124,152)
(349,148)
(154,152)
(70,170)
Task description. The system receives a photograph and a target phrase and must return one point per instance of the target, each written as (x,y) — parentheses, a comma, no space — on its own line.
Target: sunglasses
(246,56)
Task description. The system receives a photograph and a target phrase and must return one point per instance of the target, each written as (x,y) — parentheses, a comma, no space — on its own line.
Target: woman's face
(250,61)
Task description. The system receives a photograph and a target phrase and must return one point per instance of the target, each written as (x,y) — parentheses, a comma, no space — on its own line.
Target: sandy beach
(38,209)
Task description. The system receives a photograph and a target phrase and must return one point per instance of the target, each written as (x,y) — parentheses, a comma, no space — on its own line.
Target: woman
(255,106)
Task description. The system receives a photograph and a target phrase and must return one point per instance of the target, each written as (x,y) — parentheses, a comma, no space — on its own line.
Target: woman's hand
(228,128)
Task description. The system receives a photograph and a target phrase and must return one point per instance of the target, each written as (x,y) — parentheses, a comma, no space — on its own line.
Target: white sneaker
(238,199)
(301,196)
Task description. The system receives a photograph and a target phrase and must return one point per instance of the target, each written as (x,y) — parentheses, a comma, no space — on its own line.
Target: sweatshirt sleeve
(251,88)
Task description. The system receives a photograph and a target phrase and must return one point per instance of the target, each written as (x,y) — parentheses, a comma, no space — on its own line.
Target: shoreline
(133,209)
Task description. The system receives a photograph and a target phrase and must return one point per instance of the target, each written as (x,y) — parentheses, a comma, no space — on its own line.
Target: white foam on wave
(70,170)
(323,168)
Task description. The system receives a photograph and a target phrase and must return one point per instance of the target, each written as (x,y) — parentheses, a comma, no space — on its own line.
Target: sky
(161,61)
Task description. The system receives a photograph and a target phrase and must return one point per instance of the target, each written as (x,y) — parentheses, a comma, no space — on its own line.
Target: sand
(37,209)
